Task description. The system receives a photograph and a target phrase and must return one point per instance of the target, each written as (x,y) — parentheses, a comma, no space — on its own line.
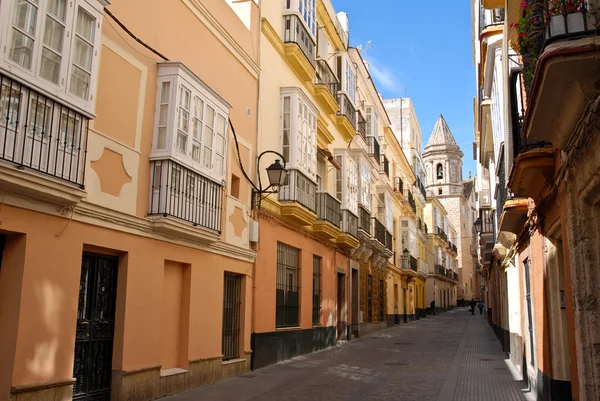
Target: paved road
(449,357)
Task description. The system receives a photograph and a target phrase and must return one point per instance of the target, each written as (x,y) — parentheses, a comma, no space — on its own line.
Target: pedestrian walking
(480,306)
(473,304)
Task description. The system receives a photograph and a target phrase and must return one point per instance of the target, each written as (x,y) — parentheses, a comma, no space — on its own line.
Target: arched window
(440,171)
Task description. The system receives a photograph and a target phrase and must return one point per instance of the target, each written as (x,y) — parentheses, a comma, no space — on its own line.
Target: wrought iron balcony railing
(408,197)
(440,270)
(380,231)
(425,228)
(399,185)
(349,223)
(421,187)
(487,220)
(441,233)
(326,76)
(419,224)
(40,134)
(549,21)
(364,220)
(346,108)
(299,189)
(384,166)
(294,31)
(328,208)
(413,263)
(373,145)
(182,193)
(455,276)
(389,240)
(361,125)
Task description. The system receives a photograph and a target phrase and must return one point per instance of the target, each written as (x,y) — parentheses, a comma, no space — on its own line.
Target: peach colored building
(126,268)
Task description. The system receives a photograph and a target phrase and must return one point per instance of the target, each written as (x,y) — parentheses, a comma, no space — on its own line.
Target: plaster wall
(39,322)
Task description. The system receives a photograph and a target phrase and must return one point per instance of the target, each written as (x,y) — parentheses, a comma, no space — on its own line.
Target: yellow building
(441,288)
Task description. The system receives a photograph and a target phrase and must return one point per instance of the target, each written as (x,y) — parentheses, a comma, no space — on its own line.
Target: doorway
(94,336)
(355,298)
(341,306)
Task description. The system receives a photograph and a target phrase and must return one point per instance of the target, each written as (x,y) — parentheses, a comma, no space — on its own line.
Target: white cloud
(383,75)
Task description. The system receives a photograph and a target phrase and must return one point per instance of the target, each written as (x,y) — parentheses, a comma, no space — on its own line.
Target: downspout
(256,172)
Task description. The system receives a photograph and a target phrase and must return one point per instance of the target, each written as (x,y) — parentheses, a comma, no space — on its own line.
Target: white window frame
(372,126)
(389,215)
(180,79)
(365,185)
(306,10)
(302,132)
(348,177)
(31,76)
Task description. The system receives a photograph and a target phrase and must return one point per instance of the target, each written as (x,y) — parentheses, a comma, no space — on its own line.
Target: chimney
(343,18)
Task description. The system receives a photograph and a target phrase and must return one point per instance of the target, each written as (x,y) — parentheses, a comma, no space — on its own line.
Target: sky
(421,49)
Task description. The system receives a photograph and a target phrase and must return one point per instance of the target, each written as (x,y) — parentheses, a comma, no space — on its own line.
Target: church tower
(443,162)
(443,166)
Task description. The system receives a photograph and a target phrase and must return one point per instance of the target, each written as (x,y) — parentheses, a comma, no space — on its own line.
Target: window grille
(288,286)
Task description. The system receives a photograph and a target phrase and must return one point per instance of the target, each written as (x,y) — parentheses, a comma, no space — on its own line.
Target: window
(288,286)
(307,11)
(365,185)
(350,81)
(232,300)
(316,300)
(389,217)
(372,124)
(299,132)
(439,191)
(440,171)
(57,42)
(190,123)
(346,187)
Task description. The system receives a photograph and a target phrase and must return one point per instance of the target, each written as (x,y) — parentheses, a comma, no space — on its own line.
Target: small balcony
(346,117)
(349,237)
(383,239)
(361,125)
(329,216)
(441,233)
(326,87)
(533,167)
(300,47)
(180,193)
(440,270)
(380,232)
(490,19)
(560,65)
(512,220)
(410,200)
(298,199)
(409,265)
(373,148)
(364,221)
(384,166)
(421,188)
(40,135)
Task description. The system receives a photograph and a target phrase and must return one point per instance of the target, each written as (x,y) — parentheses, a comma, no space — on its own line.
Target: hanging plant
(563,7)
(530,33)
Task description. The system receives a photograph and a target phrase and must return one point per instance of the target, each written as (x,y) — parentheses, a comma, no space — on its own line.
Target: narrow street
(453,356)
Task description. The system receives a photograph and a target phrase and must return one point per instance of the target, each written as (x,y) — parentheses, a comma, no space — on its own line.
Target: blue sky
(425,47)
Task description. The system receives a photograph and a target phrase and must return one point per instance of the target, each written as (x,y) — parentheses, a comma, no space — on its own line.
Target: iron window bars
(328,208)
(316,294)
(182,193)
(232,301)
(39,133)
(288,286)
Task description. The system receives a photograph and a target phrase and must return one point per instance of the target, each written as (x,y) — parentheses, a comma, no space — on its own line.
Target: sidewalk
(448,357)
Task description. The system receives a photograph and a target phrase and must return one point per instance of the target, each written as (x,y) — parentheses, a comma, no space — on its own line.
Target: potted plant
(530,27)
(566,16)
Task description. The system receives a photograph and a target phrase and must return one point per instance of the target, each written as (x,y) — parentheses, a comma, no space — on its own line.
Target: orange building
(126,267)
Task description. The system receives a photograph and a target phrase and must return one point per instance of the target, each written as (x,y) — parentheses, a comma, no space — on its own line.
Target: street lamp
(478,225)
(277,175)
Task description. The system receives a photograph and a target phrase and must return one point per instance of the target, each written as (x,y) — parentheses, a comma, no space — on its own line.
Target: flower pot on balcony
(574,23)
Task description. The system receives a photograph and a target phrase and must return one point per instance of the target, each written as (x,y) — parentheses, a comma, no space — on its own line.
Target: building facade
(121,218)
(536,135)
(443,166)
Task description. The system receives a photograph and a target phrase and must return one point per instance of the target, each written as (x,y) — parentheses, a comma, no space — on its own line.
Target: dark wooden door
(341,307)
(95,327)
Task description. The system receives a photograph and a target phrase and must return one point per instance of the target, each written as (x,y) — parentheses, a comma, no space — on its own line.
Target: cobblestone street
(453,356)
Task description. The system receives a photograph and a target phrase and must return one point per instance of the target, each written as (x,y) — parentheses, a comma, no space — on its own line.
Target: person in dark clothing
(480,306)
(473,303)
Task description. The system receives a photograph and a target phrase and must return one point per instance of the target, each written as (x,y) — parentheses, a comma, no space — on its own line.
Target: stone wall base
(369,328)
